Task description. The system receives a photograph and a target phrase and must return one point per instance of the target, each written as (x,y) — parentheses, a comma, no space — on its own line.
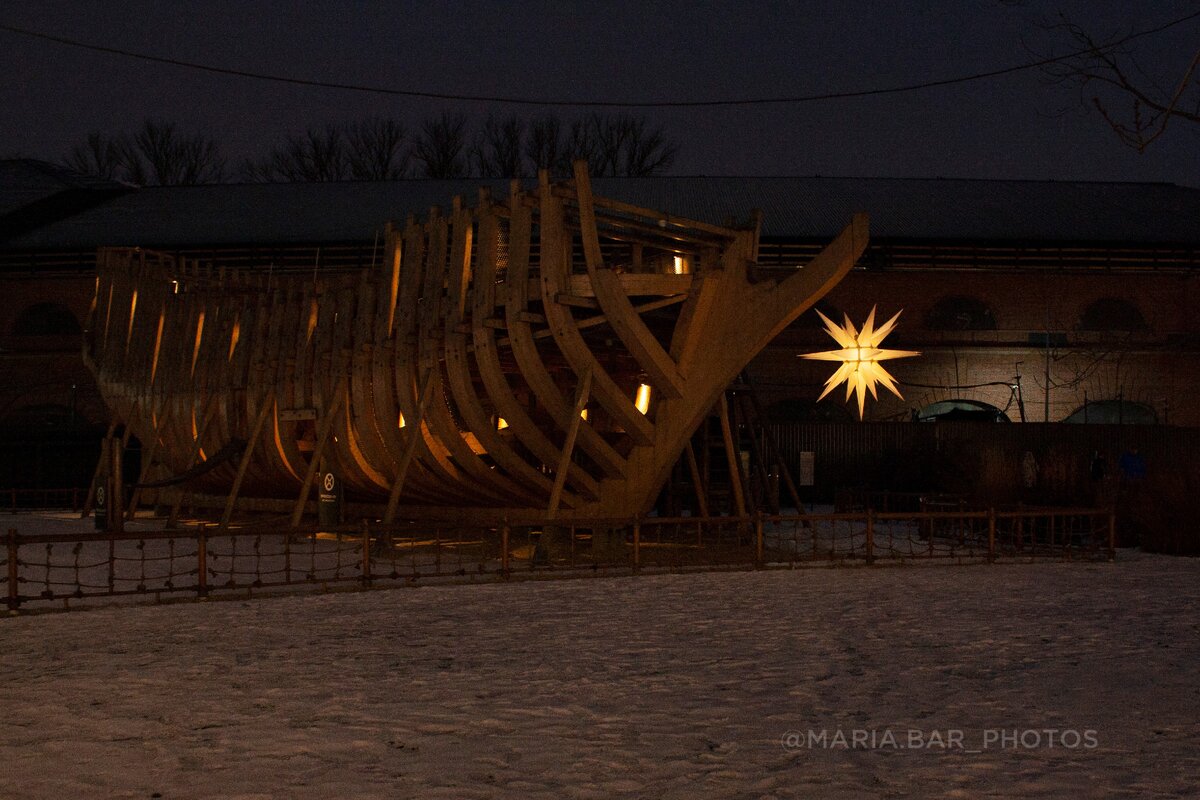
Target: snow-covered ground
(1034,680)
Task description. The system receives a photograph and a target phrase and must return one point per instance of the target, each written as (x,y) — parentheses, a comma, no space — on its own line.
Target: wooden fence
(207,561)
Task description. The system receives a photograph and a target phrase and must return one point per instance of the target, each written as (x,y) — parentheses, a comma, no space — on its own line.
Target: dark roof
(37,193)
(793,208)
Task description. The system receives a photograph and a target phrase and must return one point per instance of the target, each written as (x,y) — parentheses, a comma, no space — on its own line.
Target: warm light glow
(234,336)
(473,442)
(583,415)
(196,437)
(400,424)
(860,356)
(199,340)
(680,265)
(157,347)
(132,312)
(642,401)
(312,321)
(501,423)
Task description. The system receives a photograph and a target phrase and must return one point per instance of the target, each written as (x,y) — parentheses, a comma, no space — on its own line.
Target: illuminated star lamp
(860,356)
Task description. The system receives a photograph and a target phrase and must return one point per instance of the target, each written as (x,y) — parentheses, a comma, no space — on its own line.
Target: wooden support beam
(564,461)
(732,457)
(410,448)
(323,433)
(772,443)
(147,460)
(574,300)
(697,480)
(675,223)
(592,322)
(255,432)
(210,413)
(634,284)
(760,463)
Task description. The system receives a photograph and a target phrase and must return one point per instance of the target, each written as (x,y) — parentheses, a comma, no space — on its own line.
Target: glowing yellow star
(860,356)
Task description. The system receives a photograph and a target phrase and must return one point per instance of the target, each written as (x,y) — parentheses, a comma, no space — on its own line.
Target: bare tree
(1110,76)
(617,144)
(156,154)
(440,148)
(376,149)
(647,151)
(581,143)
(318,155)
(102,156)
(543,145)
(498,148)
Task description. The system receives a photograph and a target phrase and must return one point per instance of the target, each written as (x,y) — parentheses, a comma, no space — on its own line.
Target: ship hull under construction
(552,353)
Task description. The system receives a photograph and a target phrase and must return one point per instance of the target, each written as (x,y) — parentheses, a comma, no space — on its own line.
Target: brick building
(1044,301)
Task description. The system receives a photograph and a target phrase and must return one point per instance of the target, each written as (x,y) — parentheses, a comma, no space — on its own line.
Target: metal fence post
(202,562)
(991,536)
(14,597)
(870,547)
(366,553)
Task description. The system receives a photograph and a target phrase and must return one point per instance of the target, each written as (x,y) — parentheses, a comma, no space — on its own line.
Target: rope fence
(208,561)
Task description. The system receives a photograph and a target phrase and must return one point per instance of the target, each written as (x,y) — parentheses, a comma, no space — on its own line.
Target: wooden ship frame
(551,353)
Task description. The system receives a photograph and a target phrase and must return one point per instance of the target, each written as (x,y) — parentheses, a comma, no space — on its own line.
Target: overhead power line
(545,101)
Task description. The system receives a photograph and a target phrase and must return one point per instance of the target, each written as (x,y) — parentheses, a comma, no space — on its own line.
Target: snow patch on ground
(672,686)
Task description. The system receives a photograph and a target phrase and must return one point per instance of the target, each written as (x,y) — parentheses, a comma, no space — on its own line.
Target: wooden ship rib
(550,353)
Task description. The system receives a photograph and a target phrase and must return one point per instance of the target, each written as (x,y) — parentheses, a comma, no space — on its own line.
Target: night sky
(1016,126)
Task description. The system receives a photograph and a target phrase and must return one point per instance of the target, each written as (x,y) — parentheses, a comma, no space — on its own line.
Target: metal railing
(206,560)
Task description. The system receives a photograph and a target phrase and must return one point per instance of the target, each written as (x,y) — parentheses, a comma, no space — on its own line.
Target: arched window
(46,319)
(961,411)
(1112,314)
(1114,412)
(960,313)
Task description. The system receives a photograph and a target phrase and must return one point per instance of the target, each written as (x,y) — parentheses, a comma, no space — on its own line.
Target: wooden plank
(267,406)
(554,243)
(634,284)
(148,457)
(410,450)
(206,421)
(527,481)
(487,358)
(610,292)
(733,458)
(568,448)
(324,429)
(524,349)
